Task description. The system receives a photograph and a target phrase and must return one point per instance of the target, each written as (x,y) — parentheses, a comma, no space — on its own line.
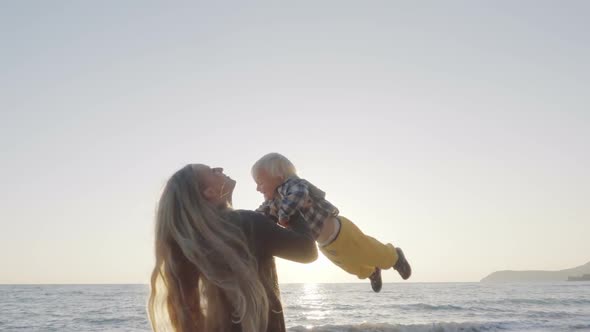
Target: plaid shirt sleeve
(269,209)
(265,207)
(294,197)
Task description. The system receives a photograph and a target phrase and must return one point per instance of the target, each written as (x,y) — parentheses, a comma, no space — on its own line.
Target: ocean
(437,307)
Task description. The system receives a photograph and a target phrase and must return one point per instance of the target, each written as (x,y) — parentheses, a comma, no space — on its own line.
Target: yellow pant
(357,253)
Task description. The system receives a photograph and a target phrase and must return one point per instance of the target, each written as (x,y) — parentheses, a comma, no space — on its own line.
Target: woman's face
(217,187)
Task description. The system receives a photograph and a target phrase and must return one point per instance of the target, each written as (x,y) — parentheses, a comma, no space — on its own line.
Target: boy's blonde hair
(275,164)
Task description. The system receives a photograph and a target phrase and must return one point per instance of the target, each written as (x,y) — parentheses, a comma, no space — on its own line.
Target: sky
(457,130)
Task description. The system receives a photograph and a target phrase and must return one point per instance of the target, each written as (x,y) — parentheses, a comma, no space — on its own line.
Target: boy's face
(267,184)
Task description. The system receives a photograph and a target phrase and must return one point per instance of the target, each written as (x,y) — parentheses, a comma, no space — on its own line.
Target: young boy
(286,195)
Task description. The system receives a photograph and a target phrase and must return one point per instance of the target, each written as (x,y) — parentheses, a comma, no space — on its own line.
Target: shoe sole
(402,259)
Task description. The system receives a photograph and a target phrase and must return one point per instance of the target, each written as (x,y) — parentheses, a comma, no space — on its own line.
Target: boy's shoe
(402,266)
(376,282)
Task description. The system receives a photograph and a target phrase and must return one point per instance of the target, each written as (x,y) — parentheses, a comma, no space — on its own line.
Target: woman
(214,268)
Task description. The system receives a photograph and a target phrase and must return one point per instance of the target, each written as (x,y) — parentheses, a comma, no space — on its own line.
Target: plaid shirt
(299,196)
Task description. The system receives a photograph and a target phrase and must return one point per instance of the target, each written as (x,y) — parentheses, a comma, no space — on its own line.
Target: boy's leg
(361,271)
(357,253)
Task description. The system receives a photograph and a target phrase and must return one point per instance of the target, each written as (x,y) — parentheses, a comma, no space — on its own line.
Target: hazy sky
(458,130)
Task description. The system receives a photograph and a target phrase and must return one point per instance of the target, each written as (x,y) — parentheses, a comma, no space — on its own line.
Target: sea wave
(435,327)
(580,327)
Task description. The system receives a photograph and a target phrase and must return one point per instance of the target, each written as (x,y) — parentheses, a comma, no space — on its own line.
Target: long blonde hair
(204,266)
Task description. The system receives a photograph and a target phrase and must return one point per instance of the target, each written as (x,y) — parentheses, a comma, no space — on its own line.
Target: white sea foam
(434,327)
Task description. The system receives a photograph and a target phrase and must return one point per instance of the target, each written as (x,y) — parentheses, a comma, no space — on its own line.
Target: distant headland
(573,274)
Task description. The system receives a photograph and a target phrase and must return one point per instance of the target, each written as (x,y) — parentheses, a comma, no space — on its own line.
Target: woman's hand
(284,223)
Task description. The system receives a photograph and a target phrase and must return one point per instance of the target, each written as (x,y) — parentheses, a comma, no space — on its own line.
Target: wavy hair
(204,266)
(275,164)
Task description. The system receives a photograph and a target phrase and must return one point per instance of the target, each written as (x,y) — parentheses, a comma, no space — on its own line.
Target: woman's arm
(295,244)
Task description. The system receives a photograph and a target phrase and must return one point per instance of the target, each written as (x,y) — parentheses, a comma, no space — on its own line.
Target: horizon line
(280,283)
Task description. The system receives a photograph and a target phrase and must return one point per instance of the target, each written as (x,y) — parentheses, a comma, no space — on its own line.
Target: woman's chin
(230,183)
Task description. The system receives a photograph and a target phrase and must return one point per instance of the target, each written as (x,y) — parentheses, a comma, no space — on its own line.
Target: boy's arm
(267,208)
(264,208)
(295,197)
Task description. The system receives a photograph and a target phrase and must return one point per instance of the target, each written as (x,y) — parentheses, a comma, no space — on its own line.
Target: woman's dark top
(266,240)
